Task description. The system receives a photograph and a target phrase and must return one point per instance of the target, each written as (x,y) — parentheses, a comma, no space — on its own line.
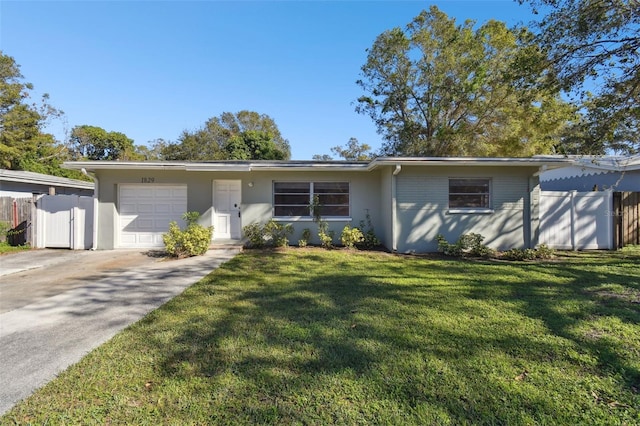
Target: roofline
(42,179)
(471,161)
(248,166)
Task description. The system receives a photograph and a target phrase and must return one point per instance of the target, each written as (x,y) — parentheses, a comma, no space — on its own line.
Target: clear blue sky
(151,69)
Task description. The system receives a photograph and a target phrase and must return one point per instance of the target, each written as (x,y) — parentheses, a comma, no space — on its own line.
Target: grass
(307,336)
(6,248)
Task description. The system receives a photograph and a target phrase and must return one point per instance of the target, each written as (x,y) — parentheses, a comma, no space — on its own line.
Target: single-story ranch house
(410,200)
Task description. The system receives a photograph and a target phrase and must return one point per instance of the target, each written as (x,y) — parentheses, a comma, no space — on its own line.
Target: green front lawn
(307,336)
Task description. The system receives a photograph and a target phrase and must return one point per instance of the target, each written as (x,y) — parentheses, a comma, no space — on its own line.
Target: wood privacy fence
(17,214)
(626,213)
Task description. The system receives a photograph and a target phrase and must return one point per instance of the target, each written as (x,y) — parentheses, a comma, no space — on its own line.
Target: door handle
(238,213)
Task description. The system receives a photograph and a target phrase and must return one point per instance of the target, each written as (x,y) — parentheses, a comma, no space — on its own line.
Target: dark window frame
(293,202)
(466,194)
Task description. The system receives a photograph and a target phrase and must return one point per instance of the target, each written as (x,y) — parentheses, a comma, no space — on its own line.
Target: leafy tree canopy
(223,137)
(441,89)
(23,143)
(594,50)
(351,151)
(95,143)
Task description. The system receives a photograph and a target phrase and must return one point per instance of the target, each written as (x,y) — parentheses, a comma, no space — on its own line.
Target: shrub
(370,239)
(326,236)
(351,236)
(4,229)
(306,236)
(273,234)
(255,235)
(519,254)
(276,233)
(467,245)
(194,240)
(544,252)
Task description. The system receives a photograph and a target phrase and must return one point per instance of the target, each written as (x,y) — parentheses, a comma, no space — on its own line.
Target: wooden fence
(626,211)
(16,214)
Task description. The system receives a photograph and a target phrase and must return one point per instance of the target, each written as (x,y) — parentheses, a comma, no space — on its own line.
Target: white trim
(470,211)
(310,219)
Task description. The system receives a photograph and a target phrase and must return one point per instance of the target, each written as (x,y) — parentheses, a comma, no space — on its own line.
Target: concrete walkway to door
(40,339)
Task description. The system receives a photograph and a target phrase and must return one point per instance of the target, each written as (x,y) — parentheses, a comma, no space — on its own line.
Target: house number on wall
(148,180)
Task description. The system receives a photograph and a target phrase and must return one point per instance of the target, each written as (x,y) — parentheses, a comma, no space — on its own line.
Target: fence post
(573,219)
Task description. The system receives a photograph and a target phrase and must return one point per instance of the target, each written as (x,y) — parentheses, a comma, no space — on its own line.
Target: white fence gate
(65,221)
(576,220)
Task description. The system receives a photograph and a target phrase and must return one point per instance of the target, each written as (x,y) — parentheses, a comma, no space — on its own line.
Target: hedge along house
(409,200)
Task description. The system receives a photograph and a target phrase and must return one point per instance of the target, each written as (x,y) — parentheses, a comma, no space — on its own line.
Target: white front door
(226,205)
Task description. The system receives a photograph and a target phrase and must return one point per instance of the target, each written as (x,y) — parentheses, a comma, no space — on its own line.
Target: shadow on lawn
(592,287)
(282,337)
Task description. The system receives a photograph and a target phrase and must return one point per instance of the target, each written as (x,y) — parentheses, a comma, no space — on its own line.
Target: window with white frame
(470,193)
(292,199)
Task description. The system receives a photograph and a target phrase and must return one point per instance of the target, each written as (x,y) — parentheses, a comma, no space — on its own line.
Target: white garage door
(145,213)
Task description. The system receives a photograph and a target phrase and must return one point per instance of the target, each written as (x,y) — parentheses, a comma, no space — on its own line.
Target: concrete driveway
(57,305)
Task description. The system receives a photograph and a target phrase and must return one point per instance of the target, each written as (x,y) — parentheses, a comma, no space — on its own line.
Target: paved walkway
(41,339)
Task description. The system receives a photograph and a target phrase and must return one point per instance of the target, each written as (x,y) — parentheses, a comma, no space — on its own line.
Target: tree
(352,151)
(23,143)
(593,47)
(210,142)
(253,145)
(441,89)
(152,151)
(322,157)
(95,143)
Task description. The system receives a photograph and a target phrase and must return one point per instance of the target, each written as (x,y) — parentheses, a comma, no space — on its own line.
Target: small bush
(467,245)
(544,252)
(370,239)
(194,240)
(351,236)
(326,236)
(277,234)
(272,234)
(519,254)
(4,229)
(306,236)
(255,235)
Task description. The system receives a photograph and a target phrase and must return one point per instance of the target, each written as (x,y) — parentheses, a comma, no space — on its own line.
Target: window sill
(310,219)
(470,211)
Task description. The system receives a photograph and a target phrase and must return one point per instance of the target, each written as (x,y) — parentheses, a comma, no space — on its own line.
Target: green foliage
(4,228)
(352,151)
(438,88)
(519,254)
(271,234)
(326,236)
(94,143)
(23,143)
(241,136)
(351,236)
(254,233)
(593,47)
(306,236)
(192,241)
(277,234)
(370,240)
(467,245)
(544,252)
(253,145)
